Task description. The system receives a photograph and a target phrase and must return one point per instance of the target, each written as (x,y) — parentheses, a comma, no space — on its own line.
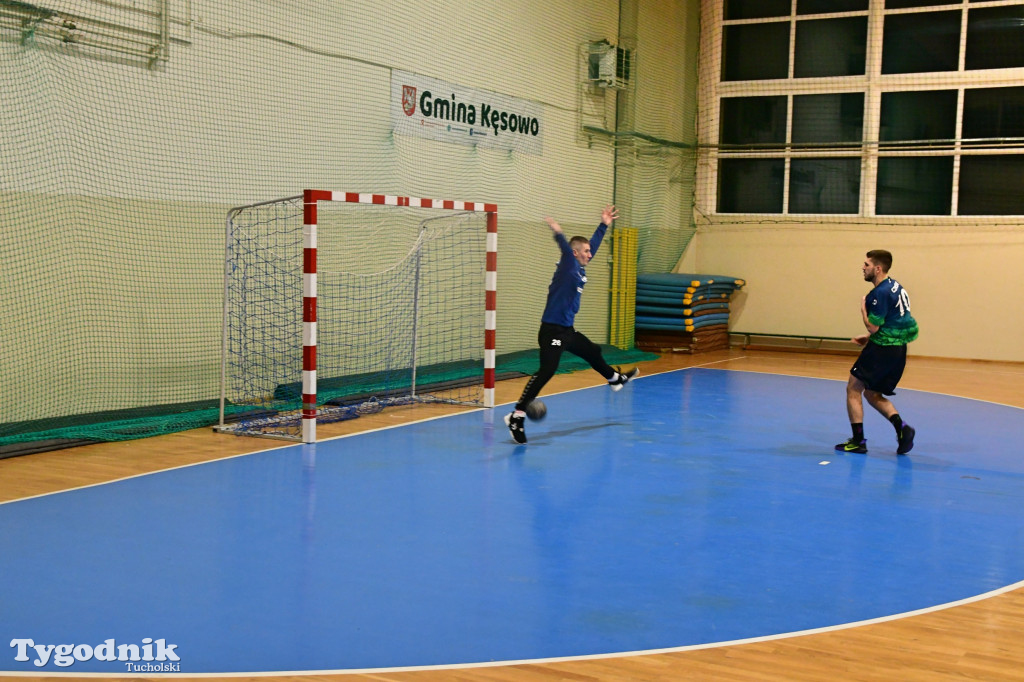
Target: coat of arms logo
(409,99)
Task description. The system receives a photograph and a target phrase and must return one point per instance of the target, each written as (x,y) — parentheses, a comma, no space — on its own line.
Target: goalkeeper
(556,331)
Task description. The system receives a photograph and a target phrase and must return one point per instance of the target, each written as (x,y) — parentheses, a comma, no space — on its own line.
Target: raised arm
(609,215)
(563,243)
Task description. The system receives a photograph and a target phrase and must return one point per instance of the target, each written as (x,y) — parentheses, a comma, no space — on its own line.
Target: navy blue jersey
(888,308)
(568,281)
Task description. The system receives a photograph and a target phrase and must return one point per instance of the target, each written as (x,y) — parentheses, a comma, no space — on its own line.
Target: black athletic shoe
(516,426)
(906,440)
(623,379)
(859,447)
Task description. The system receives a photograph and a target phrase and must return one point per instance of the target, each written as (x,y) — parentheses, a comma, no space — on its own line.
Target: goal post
(338,304)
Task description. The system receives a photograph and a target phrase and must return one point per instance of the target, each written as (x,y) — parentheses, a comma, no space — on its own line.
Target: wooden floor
(983,640)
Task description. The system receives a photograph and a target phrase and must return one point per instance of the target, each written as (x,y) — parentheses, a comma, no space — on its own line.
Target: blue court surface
(692,507)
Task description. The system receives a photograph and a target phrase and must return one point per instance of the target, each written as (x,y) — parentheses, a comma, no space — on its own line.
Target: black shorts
(880,367)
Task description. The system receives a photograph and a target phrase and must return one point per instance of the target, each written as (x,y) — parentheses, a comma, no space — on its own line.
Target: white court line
(533,661)
(478,409)
(242,454)
(906,390)
(910,360)
(542,661)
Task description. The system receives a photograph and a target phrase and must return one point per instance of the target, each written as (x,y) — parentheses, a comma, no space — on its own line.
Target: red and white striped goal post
(310,197)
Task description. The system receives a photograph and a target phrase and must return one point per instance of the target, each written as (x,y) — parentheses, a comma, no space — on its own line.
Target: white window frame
(873,84)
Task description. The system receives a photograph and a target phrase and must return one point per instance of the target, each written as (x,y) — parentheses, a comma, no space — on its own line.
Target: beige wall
(964,282)
(803,275)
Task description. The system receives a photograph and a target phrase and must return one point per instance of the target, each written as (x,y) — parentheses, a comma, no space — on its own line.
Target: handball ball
(536,410)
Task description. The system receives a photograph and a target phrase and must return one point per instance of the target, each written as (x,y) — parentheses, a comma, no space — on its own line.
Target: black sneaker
(858,446)
(516,426)
(906,440)
(623,379)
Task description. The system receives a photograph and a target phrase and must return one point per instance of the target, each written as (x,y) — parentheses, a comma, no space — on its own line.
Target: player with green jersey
(885,312)
(888,308)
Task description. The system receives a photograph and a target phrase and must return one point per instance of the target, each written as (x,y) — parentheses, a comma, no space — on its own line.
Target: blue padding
(675,325)
(682,309)
(717,279)
(669,279)
(714,318)
(722,305)
(668,288)
(676,300)
(715,289)
(655,288)
(688,291)
(686,279)
(684,300)
(656,322)
(709,297)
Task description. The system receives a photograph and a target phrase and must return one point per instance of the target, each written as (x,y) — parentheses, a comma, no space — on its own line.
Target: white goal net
(341,304)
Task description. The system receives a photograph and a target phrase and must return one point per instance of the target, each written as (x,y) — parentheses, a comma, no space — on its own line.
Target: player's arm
(563,243)
(865,318)
(608,216)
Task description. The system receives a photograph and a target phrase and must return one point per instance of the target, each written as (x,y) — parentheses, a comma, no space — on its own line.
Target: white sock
(614,378)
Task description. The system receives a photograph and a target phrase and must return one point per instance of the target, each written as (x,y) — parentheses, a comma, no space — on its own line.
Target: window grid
(873,85)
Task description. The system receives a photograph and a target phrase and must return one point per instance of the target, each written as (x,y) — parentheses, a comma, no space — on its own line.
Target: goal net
(339,304)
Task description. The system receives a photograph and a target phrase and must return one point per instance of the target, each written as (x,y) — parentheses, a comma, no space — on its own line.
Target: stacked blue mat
(683,301)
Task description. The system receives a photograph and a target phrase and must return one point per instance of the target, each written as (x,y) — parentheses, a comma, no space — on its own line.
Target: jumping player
(885,313)
(556,327)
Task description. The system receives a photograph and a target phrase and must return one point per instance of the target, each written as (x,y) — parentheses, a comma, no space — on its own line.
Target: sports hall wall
(129,130)
(964,281)
(803,274)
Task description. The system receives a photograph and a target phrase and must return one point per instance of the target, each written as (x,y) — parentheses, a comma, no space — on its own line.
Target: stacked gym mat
(683,311)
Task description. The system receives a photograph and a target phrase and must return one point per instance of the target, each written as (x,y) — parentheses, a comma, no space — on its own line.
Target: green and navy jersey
(888,308)
(567,283)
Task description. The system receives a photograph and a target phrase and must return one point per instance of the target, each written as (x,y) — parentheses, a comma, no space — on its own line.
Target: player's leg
(881,404)
(552,341)
(622,378)
(904,432)
(550,338)
(890,364)
(904,435)
(862,375)
(578,344)
(855,411)
(854,404)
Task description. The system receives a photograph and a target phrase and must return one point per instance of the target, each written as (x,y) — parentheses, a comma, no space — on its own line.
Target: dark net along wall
(128,135)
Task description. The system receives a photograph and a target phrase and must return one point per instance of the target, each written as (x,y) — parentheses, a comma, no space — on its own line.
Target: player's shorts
(880,367)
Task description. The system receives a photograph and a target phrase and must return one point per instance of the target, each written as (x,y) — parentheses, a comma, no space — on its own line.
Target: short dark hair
(881,257)
(577,242)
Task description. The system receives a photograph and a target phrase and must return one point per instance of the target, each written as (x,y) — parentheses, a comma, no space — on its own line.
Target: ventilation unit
(609,66)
